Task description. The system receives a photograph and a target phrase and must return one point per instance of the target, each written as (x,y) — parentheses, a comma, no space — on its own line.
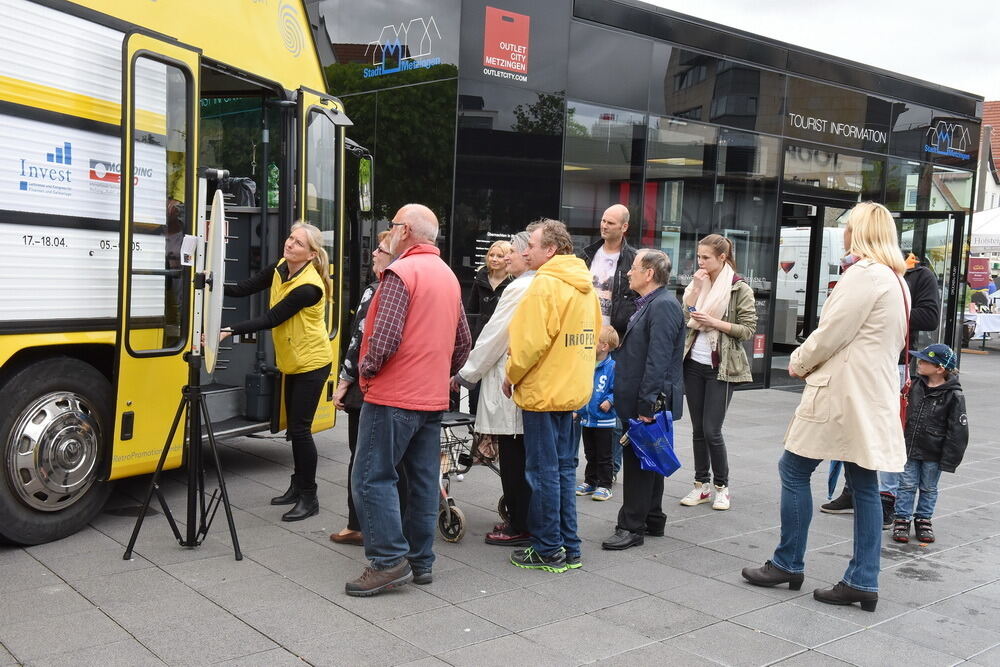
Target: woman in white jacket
(496,414)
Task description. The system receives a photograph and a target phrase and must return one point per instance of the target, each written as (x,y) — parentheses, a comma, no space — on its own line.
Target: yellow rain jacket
(553,338)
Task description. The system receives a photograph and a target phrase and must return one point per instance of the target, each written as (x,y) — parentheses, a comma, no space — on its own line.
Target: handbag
(904,391)
(653,443)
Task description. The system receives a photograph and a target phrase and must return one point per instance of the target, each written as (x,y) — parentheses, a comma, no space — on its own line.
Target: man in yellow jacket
(553,339)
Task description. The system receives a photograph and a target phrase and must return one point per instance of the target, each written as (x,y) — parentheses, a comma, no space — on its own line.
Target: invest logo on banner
(52,176)
(505,45)
(409,45)
(949,139)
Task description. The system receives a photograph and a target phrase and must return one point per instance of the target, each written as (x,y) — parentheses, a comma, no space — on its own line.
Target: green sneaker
(530,559)
(573,561)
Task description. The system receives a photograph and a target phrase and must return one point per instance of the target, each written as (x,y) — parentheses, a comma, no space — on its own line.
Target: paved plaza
(677,600)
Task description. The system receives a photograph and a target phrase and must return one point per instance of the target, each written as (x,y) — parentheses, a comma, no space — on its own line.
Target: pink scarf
(713,299)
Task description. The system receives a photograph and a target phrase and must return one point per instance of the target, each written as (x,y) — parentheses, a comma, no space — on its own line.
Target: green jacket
(742,314)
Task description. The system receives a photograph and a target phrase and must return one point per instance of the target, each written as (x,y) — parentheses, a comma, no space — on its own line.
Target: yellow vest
(301,342)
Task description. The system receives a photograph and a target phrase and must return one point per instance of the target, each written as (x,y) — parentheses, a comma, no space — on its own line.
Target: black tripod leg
(154,487)
(222,481)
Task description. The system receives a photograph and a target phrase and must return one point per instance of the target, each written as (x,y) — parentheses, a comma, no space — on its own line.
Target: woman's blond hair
(321,261)
(873,235)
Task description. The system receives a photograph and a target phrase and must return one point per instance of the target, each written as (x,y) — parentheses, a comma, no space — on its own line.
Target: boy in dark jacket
(937,432)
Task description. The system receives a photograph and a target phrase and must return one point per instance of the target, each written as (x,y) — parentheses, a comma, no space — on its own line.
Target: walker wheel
(502,509)
(453,530)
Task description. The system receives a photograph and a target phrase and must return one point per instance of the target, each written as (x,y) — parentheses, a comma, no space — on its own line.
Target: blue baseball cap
(939,354)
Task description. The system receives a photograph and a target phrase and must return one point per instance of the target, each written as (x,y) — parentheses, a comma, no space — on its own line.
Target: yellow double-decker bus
(110,113)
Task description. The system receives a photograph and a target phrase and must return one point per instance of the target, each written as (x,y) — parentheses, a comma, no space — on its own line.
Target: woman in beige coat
(849,408)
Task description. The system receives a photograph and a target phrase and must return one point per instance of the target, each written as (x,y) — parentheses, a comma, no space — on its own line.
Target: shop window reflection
(602,166)
(918,186)
(817,172)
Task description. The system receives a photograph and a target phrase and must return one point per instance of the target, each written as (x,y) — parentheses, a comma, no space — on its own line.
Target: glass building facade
(498,113)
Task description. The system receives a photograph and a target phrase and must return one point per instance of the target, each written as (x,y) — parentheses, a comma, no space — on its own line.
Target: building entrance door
(810,247)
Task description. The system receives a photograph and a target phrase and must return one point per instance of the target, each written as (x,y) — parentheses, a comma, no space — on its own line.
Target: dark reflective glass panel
(396,45)
(508,165)
(608,67)
(819,112)
(821,173)
(926,134)
(602,165)
(695,86)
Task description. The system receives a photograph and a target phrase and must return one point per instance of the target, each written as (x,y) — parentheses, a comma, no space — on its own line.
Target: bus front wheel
(55,425)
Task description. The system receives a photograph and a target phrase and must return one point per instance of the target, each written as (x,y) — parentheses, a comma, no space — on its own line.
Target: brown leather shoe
(372,581)
(350,537)
(508,538)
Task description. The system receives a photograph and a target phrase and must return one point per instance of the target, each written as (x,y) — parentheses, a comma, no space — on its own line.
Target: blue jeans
(551,458)
(388,436)
(797,510)
(923,475)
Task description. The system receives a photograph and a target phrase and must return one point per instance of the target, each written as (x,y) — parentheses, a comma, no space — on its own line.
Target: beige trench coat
(850,406)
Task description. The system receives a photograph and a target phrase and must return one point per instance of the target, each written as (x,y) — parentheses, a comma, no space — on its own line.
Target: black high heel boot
(290,496)
(306,506)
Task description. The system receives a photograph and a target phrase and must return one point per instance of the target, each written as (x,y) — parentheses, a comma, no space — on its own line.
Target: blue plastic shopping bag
(653,443)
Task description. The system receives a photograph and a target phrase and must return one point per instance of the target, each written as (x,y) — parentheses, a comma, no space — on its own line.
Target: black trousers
(516,492)
(353,424)
(302,393)
(597,448)
(708,399)
(642,497)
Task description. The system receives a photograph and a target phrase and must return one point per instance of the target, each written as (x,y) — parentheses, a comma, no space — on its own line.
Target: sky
(956,44)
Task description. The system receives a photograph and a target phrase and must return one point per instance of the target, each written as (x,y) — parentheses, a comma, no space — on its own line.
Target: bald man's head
(422,221)
(614,224)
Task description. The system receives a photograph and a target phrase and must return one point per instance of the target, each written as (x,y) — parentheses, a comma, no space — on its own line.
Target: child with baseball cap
(937,432)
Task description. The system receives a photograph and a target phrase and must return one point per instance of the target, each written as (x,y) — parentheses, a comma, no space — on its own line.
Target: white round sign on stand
(215,270)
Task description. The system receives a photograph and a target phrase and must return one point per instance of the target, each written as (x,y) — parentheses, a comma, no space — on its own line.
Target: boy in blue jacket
(598,419)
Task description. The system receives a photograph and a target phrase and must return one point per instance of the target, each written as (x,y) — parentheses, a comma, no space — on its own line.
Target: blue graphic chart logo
(949,139)
(403,47)
(62,154)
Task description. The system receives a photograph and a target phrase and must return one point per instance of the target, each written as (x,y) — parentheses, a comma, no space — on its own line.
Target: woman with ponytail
(300,287)
(720,314)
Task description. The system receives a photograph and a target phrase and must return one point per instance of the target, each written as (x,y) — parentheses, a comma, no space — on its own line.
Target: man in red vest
(407,360)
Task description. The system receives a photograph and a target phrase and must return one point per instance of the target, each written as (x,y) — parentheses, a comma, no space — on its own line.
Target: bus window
(157,312)
(321,189)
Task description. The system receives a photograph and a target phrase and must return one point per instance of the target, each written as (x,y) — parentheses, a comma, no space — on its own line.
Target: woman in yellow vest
(300,288)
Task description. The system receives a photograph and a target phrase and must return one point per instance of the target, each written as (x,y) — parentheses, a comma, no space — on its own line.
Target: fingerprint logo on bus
(290,27)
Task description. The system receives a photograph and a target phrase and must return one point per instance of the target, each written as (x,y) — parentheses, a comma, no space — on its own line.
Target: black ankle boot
(290,496)
(843,594)
(305,507)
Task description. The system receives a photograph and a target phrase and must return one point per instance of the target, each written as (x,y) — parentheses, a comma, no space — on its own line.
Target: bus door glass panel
(321,202)
(157,312)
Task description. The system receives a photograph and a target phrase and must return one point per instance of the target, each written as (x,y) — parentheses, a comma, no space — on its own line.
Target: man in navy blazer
(648,368)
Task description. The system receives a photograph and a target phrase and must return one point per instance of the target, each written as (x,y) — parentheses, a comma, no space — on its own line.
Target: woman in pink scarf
(720,314)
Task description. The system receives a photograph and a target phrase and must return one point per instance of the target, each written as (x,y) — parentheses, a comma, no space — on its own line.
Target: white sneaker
(721,498)
(701,493)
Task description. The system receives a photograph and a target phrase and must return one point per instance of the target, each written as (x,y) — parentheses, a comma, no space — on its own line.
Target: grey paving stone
(145,584)
(224,638)
(655,617)
(586,638)
(84,541)
(941,633)
(885,610)
(93,564)
(585,591)
(990,657)
(5,657)
(371,646)
(205,572)
(40,603)
(521,609)
(812,659)
(276,657)
(429,661)
(512,650)
(733,644)
(60,634)
(246,595)
(924,581)
(128,653)
(655,655)
(807,627)
(872,647)
(970,609)
(707,562)
(294,553)
(21,572)
(303,618)
(649,575)
(410,599)
(717,598)
(442,630)
(463,583)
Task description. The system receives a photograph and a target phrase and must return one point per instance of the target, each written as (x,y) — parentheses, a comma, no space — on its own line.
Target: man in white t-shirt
(609,260)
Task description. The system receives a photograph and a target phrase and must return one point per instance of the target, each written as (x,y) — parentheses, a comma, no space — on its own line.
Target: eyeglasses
(396,224)
(383,251)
